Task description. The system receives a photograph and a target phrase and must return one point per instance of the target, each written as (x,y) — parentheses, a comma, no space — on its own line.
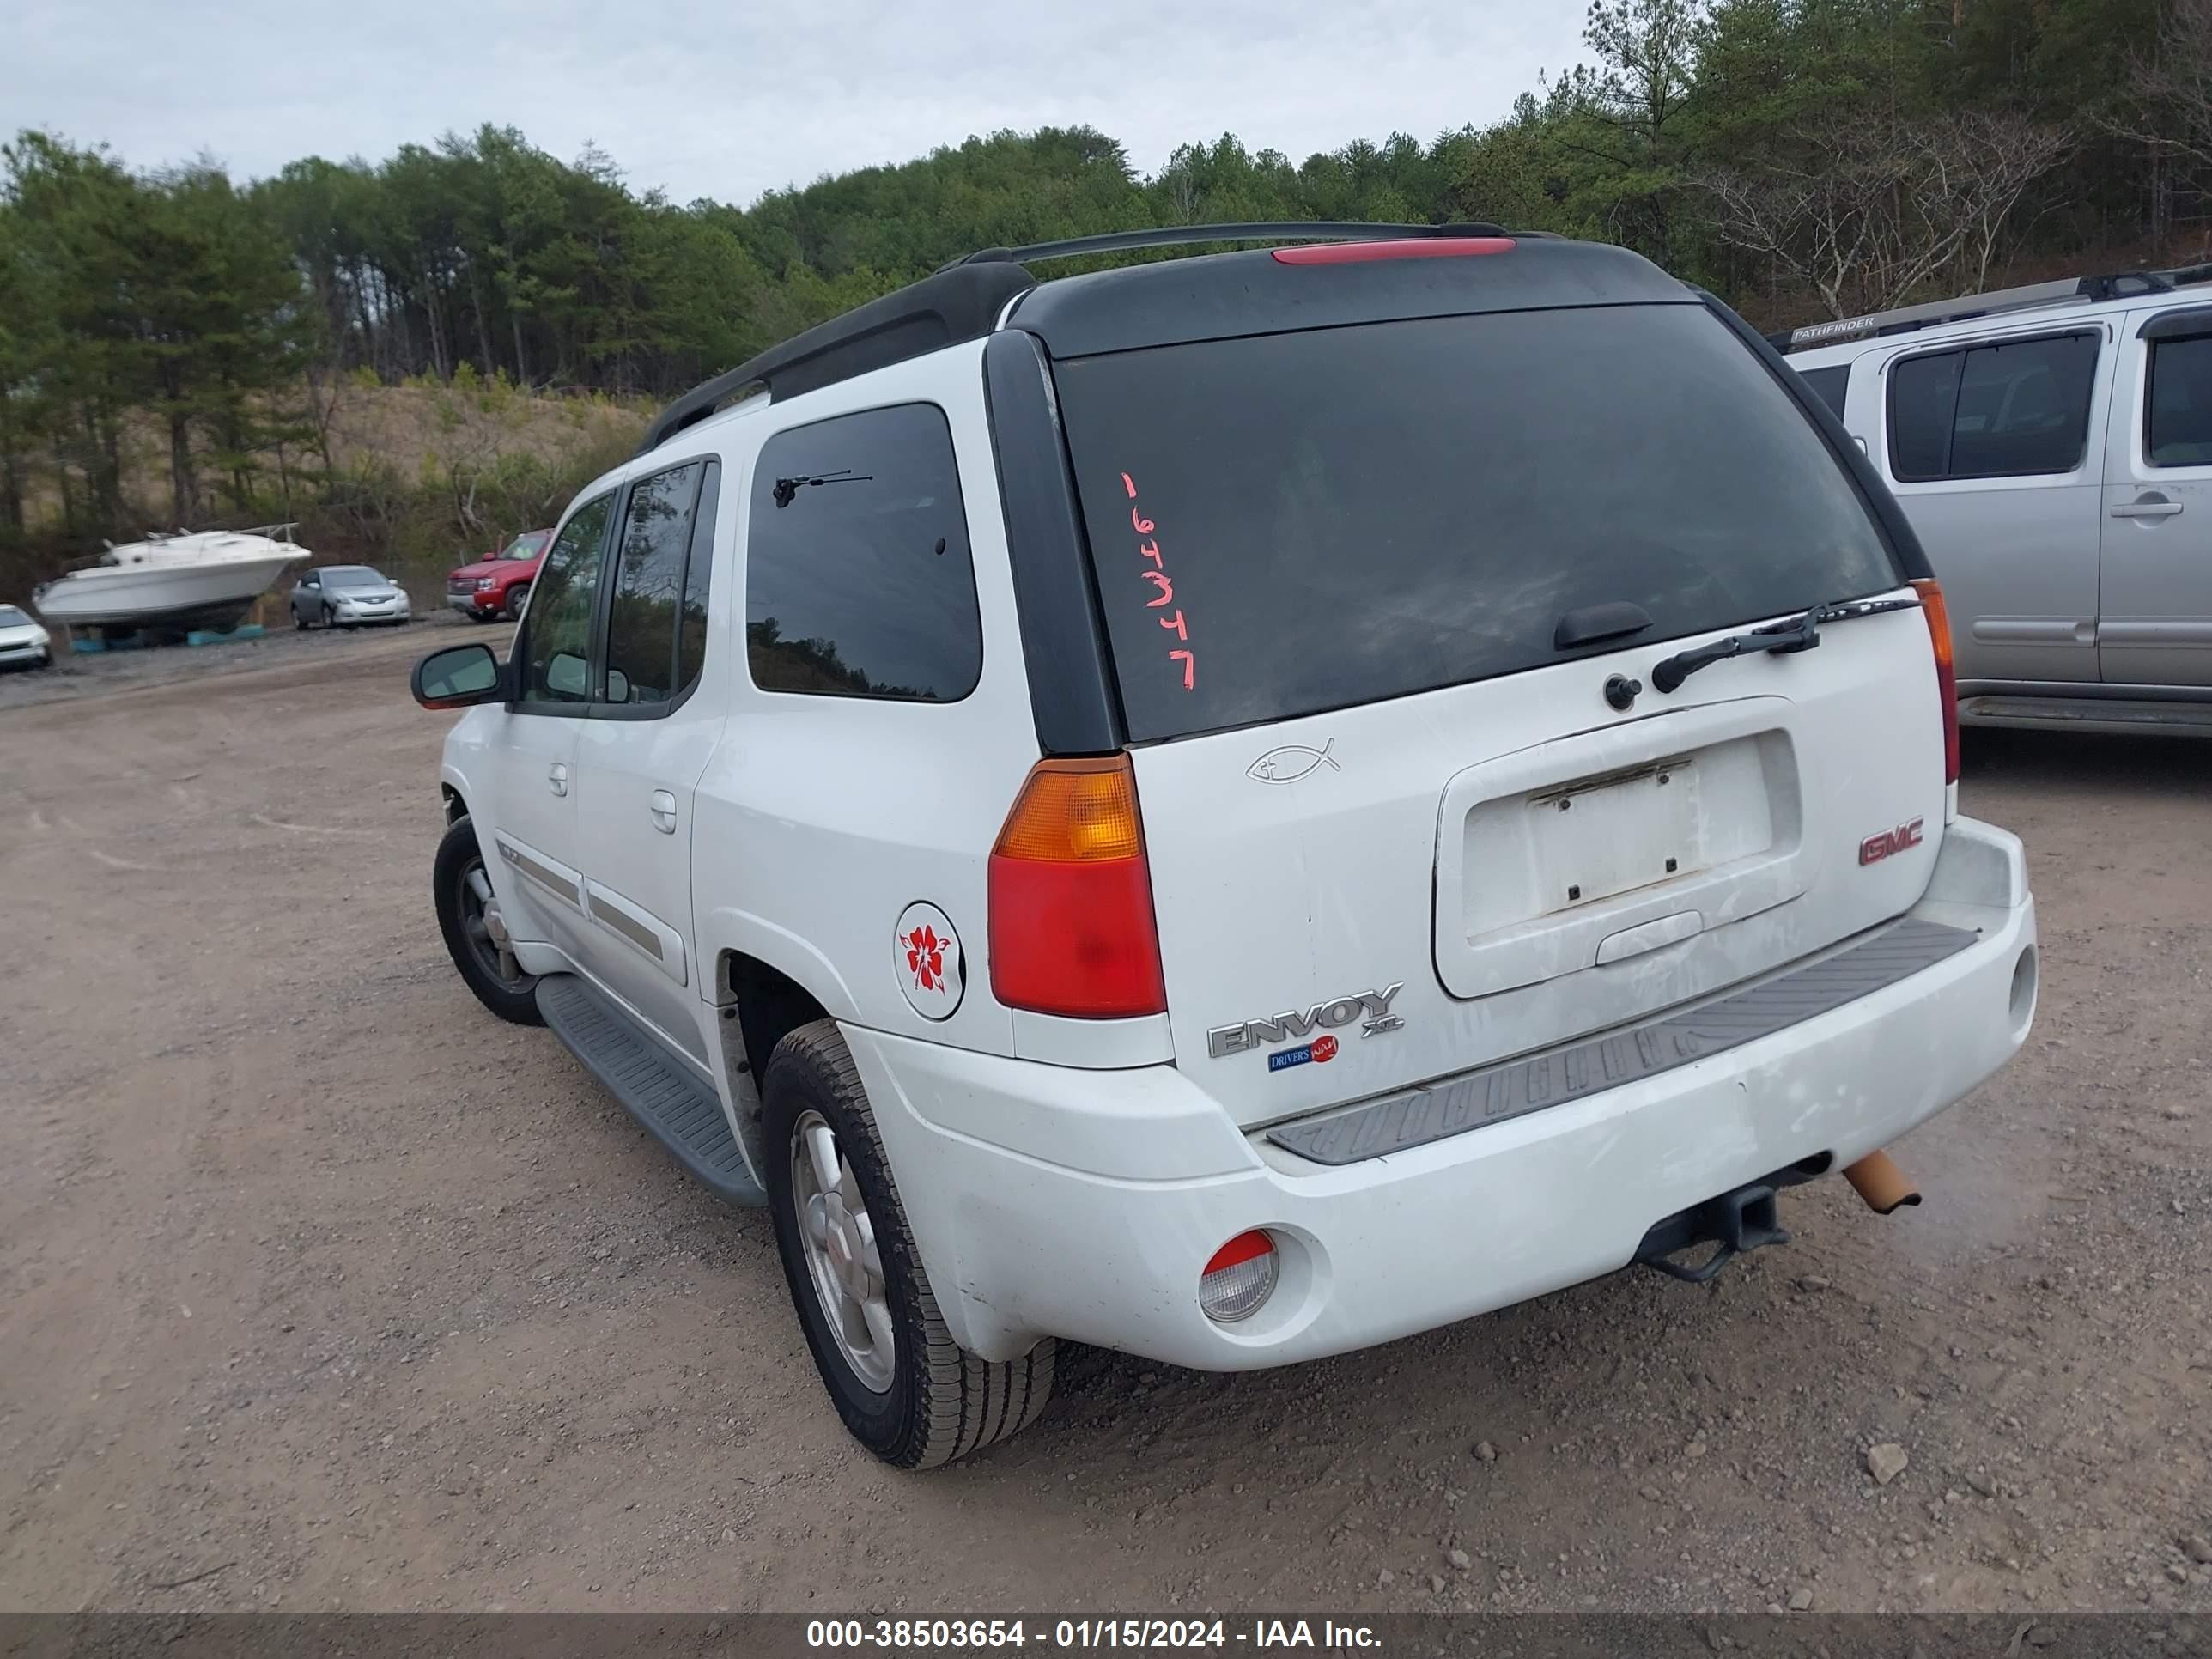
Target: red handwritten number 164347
(1163,585)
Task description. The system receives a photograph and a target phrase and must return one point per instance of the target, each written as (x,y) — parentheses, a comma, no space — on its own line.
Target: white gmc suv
(1236,807)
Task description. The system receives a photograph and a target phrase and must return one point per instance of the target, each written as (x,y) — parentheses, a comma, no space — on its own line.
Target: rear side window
(655,570)
(1290,523)
(557,629)
(1829,385)
(2180,424)
(2005,409)
(858,578)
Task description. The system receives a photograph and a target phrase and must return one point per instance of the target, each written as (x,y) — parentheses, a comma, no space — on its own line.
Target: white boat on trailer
(202,579)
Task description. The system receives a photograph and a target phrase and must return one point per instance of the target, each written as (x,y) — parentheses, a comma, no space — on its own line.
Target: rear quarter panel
(820,819)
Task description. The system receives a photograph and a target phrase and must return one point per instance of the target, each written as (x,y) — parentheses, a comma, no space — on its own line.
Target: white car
(1236,808)
(23,642)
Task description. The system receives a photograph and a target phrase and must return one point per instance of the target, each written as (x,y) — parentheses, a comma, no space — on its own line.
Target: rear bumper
(1048,1201)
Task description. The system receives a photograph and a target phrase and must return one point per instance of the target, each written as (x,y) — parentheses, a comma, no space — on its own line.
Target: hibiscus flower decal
(925,958)
(926,955)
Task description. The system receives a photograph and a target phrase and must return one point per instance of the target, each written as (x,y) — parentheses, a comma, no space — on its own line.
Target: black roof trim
(1073,697)
(1178,300)
(961,303)
(1222,295)
(1279,230)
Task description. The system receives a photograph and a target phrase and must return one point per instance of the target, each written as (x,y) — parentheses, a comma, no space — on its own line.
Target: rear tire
(458,869)
(517,596)
(937,1401)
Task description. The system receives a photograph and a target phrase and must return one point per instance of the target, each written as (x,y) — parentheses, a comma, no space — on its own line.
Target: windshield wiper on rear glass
(1800,632)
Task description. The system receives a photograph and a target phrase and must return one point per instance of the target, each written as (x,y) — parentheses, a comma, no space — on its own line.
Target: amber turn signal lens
(1074,811)
(1947,683)
(1070,897)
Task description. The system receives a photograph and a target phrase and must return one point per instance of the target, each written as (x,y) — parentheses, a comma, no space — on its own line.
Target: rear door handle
(556,777)
(664,811)
(2147,507)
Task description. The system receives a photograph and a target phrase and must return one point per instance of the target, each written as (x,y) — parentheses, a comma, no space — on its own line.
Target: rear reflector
(1070,897)
(1352,253)
(1947,680)
(1240,1277)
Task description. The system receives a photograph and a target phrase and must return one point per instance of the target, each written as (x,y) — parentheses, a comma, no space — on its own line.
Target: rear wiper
(787,489)
(1800,632)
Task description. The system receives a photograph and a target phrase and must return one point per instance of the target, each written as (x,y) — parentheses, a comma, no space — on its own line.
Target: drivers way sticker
(1321,1050)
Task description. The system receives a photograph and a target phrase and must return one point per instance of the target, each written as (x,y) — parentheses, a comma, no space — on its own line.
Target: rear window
(2181,403)
(2015,407)
(1291,523)
(1829,385)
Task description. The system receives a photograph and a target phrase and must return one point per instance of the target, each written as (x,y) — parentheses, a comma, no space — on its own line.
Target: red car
(499,586)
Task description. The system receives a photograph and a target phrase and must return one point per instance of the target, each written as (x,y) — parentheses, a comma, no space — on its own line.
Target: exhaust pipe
(1877,1179)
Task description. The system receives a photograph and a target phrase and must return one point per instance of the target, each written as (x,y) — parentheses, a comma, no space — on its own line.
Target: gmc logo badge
(1874,848)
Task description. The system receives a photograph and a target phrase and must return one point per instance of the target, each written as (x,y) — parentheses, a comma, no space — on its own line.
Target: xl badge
(1372,1006)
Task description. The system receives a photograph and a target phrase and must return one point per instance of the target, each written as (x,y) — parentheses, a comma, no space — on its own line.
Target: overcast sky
(727,100)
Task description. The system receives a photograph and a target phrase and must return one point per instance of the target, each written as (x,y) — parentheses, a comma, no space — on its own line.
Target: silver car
(2052,447)
(346,596)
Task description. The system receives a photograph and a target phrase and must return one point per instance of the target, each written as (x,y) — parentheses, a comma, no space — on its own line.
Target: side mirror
(457,676)
(564,675)
(617,686)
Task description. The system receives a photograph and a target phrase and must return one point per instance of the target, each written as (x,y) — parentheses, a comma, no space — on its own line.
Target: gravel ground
(320,1288)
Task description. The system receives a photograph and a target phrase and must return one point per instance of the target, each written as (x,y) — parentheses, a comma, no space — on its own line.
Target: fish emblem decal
(1291,761)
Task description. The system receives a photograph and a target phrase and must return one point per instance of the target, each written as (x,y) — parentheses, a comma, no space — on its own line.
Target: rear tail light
(1240,1277)
(1946,681)
(1070,897)
(1430,247)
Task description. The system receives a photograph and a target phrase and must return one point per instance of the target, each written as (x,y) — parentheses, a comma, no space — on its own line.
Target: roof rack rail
(962,301)
(1280,230)
(1904,320)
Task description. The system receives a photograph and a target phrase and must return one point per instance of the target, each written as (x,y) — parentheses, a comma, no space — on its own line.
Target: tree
(1625,114)
(1866,210)
(2171,81)
(172,336)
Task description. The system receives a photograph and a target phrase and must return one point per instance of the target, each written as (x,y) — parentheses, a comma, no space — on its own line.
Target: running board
(1453,1106)
(666,1096)
(2102,715)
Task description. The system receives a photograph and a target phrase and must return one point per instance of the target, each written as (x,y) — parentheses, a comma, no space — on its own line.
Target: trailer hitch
(1738,1222)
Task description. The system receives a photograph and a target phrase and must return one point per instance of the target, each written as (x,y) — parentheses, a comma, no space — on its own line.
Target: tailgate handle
(1592,622)
(1649,936)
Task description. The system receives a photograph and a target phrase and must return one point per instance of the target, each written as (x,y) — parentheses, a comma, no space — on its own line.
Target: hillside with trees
(177,346)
